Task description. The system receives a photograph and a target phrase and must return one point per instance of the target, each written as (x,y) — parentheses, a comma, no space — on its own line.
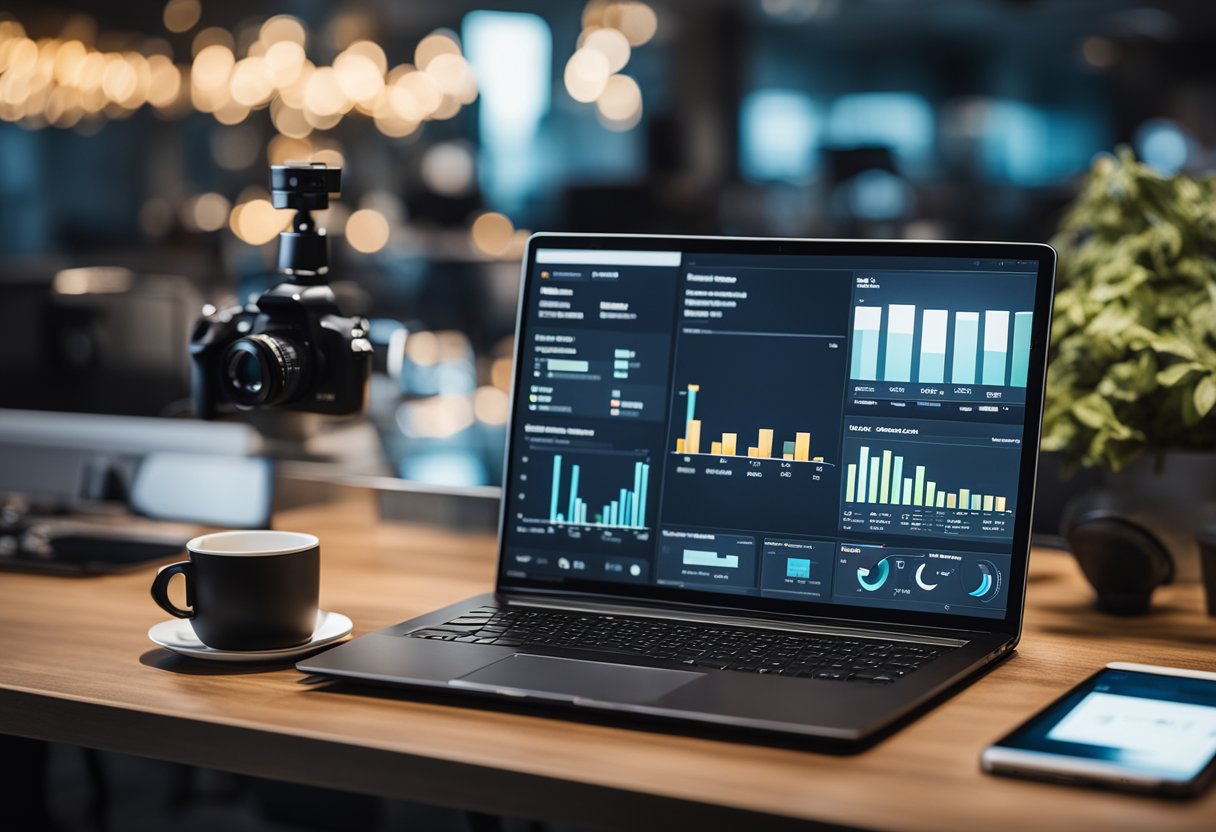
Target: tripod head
(304,187)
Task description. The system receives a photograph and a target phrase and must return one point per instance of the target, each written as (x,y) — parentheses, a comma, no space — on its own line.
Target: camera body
(291,349)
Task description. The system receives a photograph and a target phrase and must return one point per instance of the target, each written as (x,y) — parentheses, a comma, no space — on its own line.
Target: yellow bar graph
(802,446)
(692,442)
(1000,503)
(987,502)
(951,501)
(964,498)
(764,447)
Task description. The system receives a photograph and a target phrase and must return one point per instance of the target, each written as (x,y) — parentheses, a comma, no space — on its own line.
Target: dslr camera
(291,349)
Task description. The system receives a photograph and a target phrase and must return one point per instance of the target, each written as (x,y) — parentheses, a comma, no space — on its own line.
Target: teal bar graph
(1020,360)
(557,484)
(933,325)
(637,492)
(966,342)
(867,323)
(976,343)
(627,509)
(863,473)
(996,341)
(901,322)
(573,512)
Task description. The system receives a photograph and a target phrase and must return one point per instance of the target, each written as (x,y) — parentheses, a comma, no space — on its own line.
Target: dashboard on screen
(830,429)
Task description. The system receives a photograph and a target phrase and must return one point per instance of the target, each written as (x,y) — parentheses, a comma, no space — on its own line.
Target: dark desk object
(77,667)
(89,546)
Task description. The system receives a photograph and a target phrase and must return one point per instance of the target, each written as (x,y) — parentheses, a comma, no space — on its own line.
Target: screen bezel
(1011,749)
(708,601)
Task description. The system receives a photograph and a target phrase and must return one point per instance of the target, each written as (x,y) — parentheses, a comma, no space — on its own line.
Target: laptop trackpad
(551,677)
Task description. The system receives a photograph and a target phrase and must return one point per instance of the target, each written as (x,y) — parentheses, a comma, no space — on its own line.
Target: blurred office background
(135,139)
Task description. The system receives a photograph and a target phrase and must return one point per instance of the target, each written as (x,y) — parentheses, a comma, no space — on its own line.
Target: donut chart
(920,579)
(881,571)
(982,580)
(931,580)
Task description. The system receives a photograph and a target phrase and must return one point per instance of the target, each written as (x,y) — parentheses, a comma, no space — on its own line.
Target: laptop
(771,486)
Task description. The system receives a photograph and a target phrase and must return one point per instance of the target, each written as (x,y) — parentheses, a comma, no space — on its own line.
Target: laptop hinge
(735,620)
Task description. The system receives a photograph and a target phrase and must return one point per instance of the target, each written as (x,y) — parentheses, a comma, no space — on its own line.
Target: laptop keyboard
(812,655)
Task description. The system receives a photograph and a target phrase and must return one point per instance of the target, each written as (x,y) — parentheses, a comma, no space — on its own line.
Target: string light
(63,82)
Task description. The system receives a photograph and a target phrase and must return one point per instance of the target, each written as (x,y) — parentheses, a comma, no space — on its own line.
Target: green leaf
(1172,345)
(1205,395)
(1093,411)
(1175,374)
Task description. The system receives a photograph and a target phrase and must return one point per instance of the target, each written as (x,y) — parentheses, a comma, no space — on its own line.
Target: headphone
(1121,558)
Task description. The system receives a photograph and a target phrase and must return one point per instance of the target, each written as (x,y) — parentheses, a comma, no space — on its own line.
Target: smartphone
(1134,727)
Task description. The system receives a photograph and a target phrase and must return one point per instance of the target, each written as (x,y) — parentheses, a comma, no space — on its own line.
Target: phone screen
(1156,725)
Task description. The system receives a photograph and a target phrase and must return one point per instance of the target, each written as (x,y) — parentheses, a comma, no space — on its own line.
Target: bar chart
(903,343)
(927,487)
(617,504)
(727,444)
(879,477)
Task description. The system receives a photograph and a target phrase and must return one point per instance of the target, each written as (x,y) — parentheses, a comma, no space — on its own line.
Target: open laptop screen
(849,427)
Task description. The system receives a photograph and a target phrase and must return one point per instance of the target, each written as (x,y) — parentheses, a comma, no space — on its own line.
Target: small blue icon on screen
(797,568)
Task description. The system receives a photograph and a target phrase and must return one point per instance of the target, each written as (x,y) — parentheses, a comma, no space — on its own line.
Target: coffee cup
(247,590)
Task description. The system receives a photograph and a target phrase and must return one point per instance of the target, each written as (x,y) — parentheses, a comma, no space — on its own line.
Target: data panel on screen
(830,430)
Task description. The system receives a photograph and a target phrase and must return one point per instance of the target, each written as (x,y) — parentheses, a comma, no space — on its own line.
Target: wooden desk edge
(324,763)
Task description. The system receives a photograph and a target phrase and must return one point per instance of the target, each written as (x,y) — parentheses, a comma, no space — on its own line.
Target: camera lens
(262,370)
(246,373)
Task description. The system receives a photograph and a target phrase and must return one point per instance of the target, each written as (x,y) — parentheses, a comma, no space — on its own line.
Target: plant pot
(1172,497)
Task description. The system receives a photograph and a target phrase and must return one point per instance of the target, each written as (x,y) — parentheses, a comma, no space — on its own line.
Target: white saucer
(177,635)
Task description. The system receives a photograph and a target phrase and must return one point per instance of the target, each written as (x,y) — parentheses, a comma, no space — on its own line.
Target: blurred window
(512,57)
(778,135)
(902,121)
(1161,144)
(1027,145)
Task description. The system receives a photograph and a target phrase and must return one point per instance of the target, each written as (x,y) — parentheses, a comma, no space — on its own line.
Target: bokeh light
(490,405)
(367,231)
(612,44)
(257,222)
(283,28)
(65,83)
(621,99)
(181,15)
(448,169)
(434,45)
(491,233)
(586,75)
(205,212)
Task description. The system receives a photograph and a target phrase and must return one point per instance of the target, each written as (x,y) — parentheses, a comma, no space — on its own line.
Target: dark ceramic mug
(247,590)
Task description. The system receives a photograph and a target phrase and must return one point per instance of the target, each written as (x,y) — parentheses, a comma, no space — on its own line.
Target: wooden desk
(76,666)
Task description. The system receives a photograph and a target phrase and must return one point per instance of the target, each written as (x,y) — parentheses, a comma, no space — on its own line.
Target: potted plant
(1131,385)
